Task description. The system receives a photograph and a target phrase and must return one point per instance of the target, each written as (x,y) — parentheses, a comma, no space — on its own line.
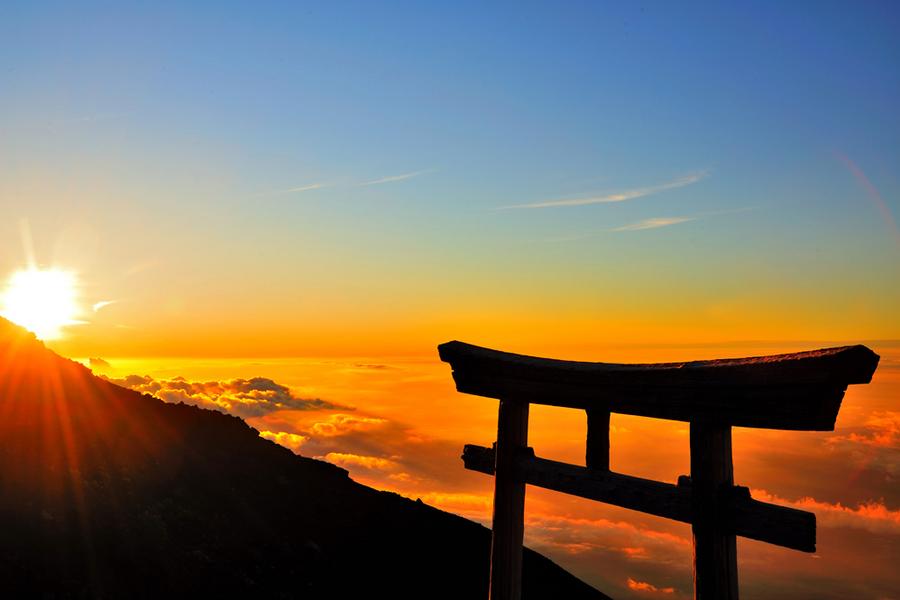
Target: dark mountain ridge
(107,493)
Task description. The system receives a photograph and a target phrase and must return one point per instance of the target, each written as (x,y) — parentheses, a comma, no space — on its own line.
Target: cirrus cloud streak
(620,196)
(654,223)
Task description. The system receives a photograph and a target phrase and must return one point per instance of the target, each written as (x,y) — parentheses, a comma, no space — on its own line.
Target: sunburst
(43,301)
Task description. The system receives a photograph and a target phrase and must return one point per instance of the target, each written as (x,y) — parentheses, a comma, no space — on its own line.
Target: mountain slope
(107,493)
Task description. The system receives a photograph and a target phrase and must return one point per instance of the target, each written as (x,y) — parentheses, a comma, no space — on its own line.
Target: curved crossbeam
(801,391)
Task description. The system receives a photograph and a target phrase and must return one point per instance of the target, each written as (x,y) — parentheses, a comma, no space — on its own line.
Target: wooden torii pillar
(800,391)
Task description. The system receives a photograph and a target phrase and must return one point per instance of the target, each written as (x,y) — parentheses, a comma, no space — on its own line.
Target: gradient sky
(253,187)
(351,178)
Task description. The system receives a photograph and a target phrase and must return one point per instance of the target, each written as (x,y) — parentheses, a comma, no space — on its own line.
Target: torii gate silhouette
(800,391)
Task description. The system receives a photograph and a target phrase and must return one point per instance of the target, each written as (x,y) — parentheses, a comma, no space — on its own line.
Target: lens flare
(41,300)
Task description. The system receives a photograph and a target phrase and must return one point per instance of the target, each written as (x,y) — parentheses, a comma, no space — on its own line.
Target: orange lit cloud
(291,441)
(241,397)
(376,451)
(472,506)
(598,529)
(643,586)
(627,545)
(341,424)
(369,462)
(871,516)
(880,429)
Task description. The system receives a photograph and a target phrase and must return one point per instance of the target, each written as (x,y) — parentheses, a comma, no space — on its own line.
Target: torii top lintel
(801,391)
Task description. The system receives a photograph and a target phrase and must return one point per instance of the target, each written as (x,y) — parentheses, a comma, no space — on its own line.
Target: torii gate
(800,391)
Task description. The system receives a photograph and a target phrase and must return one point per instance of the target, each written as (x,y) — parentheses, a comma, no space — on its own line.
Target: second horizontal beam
(771,523)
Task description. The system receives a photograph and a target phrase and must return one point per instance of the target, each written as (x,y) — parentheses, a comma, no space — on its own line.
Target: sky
(244,190)
(344,178)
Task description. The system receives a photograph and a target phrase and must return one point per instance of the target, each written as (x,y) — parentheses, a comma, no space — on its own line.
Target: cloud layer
(847,477)
(242,397)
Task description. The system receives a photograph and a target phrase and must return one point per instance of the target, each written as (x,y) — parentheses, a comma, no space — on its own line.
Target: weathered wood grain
(779,525)
(509,502)
(715,544)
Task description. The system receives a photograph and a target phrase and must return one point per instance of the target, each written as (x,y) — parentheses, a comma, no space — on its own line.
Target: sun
(41,300)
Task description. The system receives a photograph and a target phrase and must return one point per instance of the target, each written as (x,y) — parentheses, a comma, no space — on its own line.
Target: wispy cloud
(309,187)
(319,185)
(653,223)
(620,196)
(305,188)
(393,178)
(140,267)
(98,305)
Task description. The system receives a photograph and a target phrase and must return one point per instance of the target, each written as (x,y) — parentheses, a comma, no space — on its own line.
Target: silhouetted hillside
(108,493)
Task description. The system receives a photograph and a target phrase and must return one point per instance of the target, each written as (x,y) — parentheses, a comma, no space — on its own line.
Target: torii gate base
(789,391)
